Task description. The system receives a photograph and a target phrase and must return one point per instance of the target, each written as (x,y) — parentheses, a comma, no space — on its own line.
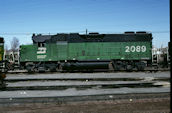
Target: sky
(22,18)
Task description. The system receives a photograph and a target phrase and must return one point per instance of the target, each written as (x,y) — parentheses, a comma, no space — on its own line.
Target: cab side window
(41,44)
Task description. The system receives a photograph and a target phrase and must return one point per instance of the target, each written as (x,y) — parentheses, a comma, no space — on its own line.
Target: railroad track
(84,82)
(64,85)
(96,71)
(61,85)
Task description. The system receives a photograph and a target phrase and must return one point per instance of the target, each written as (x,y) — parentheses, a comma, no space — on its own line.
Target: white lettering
(41,56)
(143,48)
(132,48)
(135,48)
(41,50)
(127,49)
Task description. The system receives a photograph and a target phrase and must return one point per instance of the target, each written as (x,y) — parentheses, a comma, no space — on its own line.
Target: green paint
(87,51)
(1,51)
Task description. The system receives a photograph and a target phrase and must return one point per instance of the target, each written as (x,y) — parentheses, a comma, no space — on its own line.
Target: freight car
(127,51)
(2,70)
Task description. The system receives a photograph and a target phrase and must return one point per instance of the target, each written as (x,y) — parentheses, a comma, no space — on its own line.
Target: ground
(153,98)
(152,105)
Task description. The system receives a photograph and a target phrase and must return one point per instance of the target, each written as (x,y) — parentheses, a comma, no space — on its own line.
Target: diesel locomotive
(74,51)
(2,70)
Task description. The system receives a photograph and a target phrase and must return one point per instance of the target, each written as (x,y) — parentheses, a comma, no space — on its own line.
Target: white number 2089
(135,48)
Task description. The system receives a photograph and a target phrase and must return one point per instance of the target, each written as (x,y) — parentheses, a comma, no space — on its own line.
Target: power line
(161,32)
(157,32)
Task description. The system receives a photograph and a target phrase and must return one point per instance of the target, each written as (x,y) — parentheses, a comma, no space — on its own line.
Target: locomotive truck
(74,51)
(2,70)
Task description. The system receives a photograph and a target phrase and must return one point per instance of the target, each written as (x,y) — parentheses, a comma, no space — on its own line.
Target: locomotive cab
(2,68)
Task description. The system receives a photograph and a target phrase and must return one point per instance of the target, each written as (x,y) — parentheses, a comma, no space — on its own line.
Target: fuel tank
(85,65)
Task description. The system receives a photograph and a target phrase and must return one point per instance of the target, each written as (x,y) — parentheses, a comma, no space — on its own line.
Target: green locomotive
(2,73)
(73,51)
(1,48)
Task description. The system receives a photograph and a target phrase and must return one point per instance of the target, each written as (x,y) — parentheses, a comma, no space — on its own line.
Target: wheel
(129,67)
(140,66)
(117,65)
(2,82)
(59,68)
(30,68)
(111,67)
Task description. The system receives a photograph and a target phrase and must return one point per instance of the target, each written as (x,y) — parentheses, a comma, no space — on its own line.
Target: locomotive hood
(40,38)
(1,40)
(76,37)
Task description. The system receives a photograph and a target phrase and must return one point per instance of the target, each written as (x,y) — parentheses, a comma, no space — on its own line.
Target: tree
(6,47)
(14,44)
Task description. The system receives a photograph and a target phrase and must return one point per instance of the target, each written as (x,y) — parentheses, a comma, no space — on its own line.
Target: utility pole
(86,31)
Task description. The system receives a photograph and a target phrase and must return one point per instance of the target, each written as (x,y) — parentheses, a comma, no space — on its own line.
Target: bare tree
(14,44)
(6,47)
